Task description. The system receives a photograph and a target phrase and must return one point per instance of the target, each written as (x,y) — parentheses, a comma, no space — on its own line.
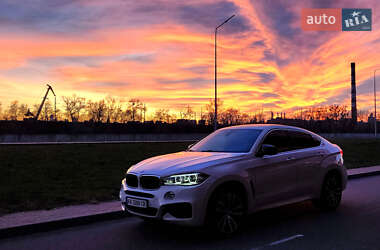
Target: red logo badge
(321,19)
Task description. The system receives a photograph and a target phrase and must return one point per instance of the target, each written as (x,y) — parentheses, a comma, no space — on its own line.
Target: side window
(316,142)
(279,139)
(300,140)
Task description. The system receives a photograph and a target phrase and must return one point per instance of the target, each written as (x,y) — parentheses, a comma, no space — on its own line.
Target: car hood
(182,162)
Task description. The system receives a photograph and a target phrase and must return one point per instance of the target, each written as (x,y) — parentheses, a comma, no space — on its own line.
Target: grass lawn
(358,152)
(48,176)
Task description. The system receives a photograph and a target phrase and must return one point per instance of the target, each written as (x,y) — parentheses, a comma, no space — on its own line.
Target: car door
(275,175)
(309,154)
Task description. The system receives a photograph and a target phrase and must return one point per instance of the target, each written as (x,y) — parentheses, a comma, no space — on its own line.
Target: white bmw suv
(233,172)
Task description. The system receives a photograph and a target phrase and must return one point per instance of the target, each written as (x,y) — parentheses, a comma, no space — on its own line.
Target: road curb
(83,220)
(52,225)
(365,174)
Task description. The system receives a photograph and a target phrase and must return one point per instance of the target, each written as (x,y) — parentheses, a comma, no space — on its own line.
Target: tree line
(112,110)
(332,112)
(77,109)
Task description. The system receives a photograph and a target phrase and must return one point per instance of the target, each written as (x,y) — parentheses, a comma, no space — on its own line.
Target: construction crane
(43,102)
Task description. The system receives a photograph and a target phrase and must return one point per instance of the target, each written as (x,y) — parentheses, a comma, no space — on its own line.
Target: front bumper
(187,207)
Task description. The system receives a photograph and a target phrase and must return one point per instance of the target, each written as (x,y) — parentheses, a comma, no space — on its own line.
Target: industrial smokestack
(353,94)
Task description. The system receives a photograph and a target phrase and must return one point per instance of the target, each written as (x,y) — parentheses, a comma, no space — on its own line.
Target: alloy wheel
(229,210)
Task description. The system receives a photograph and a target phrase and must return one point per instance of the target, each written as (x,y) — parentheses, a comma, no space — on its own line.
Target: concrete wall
(351,135)
(101,138)
(96,138)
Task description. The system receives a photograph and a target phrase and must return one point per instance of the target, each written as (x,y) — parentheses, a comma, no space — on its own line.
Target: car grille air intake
(149,182)
(131,180)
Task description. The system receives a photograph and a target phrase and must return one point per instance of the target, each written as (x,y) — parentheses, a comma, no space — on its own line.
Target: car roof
(260,126)
(267,127)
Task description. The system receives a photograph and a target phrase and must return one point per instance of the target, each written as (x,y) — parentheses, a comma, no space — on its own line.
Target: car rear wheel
(226,211)
(331,193)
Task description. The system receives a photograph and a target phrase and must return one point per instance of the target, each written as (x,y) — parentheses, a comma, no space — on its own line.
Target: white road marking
(286,239)
(279,241)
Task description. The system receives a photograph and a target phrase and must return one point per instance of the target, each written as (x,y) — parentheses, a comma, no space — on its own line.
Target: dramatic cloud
(163,53)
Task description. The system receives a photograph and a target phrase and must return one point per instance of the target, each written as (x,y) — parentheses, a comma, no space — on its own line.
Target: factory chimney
(353,95)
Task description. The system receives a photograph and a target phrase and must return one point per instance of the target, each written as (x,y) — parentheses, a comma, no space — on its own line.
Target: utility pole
(55,108)
(354,112)
(374,98)
(216,76)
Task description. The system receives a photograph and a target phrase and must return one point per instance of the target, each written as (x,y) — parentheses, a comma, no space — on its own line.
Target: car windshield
(228,140)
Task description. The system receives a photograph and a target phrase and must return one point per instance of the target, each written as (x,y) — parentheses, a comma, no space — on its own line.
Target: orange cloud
(268,63)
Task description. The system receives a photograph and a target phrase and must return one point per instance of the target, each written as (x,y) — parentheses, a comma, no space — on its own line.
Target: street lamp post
(215,77)
(374,98)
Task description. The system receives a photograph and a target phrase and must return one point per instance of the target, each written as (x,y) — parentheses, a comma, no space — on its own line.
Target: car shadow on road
(257,230)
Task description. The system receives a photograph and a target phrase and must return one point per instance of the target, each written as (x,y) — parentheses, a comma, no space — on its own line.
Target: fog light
(169,195)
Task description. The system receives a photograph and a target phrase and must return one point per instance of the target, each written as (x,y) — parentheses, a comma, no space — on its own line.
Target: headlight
(184,179)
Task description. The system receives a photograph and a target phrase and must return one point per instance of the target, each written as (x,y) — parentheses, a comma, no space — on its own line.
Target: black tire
(331,193)
(226,210)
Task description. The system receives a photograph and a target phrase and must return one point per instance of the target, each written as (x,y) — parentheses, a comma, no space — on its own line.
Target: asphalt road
(355,225)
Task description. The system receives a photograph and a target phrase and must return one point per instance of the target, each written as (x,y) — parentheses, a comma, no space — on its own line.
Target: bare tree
(187,113)
(134,105)
(97,111)
(260,116)
(73,106)
(344,113)
(336,111)
(171,118)
(118,113)
(230,116)
(110,108)
(321,113)
(124,116)
(143,112)
(47,111)
(210,108)
(162,115)
(363,115)
(35,108)
(22,110)
(13,110)
(245,118)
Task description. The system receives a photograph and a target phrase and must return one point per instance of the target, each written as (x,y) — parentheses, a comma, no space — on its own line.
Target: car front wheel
(226,211)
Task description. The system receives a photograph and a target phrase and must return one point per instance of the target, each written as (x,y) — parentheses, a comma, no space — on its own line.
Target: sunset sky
(161,51)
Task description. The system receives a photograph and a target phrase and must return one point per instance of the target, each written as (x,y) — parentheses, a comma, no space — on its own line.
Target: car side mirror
(267,149)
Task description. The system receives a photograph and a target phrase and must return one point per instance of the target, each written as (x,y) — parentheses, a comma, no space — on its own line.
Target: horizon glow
(162,53)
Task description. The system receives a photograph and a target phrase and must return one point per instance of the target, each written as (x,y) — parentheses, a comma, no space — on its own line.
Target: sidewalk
(62,213)
(32,221)
(361,172)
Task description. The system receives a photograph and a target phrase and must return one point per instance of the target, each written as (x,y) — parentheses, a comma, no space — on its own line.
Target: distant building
(371,119)
(202,122)
(185,122)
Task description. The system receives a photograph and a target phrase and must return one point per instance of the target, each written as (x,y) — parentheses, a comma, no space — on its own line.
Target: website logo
(356,19)
(321,19)
(336,19)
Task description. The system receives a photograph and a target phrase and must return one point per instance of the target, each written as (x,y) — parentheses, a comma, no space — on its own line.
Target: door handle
(321,154)
(290,158)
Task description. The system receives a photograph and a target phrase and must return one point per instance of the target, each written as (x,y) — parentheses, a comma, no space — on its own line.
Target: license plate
(136,203)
